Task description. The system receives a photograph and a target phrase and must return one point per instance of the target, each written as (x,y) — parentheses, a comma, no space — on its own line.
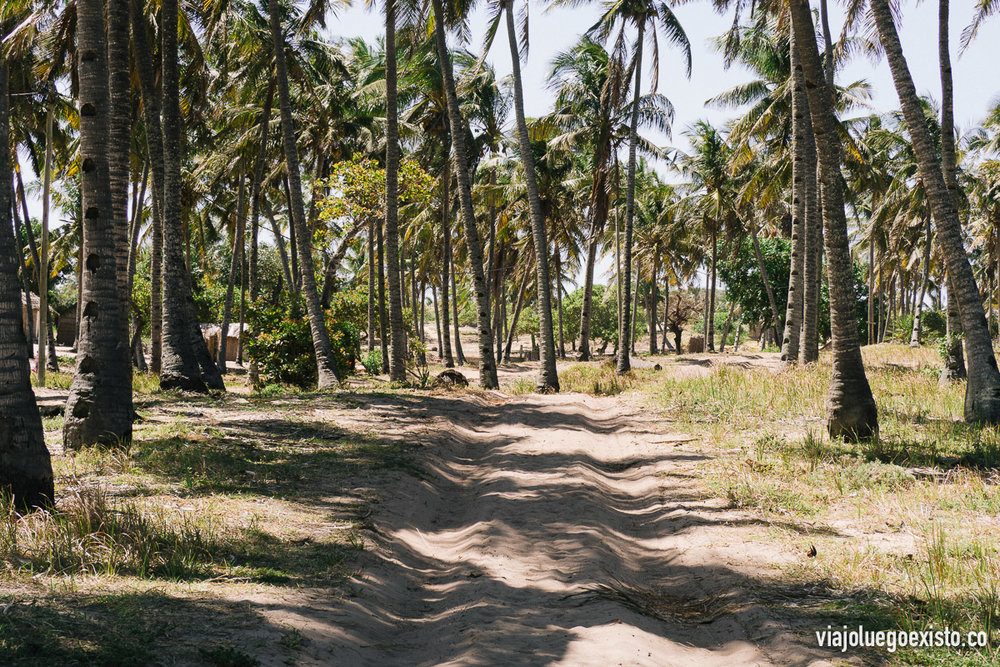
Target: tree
(851,411)
(99,407)
(327,375)
(456,120)
(397,334)
(982,397)
(651,16)
(26,473)
(548,379)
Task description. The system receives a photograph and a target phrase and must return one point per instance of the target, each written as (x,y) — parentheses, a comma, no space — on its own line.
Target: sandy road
(552,530)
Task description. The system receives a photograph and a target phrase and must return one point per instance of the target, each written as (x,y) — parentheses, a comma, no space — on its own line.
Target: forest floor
(689,515)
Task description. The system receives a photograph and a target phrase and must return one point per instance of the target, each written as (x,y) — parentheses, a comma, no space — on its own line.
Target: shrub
(281,342)
(372,362)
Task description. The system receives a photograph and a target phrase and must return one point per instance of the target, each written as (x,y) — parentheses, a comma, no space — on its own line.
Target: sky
(556,30)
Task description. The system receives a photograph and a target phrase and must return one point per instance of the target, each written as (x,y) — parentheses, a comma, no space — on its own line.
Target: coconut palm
(459,129)
(982,399)
(326,373)
(851,411)
(548,379)
(649,18)
(99,407)
(27,471)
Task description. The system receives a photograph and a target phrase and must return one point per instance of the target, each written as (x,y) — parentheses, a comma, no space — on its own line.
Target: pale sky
(557,30)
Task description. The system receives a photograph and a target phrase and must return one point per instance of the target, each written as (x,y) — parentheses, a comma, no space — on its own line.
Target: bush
(372,362)
(280,340)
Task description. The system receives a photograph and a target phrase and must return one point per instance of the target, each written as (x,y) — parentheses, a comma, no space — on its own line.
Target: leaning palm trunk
(397,333)
(487,364)
(325,371)
(796,282)
(548,380)
(624,331)
(851,411)
(27,470)
(99,407)
(766,279)
(982,397)
(954,359)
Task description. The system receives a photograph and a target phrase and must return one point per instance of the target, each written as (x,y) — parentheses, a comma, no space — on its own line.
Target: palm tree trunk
(954,363)
(27,471)
(954,360)
(29,321)
(279,240)
(548,379)
(812,255)
(624,364)
(437,315)
(397,332)
(383,316)
(445,351)
(982,398)
(258,180)
(99,407)
(766,279)
(173,354)
(559,304)
(654,302)
(924,282)
(326,373)
(236,263)
(796,279)
(43,264)
(119,149)
(372,286)
(588,286)
(710,336)
(487,366)
(459,354)
(851,411)
(516,314)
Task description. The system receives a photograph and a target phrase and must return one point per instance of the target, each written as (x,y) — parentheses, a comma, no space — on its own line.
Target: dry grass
(906,522)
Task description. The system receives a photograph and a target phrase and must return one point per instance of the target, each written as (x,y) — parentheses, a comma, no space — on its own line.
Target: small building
(29,316)
(210,332)
(66,327)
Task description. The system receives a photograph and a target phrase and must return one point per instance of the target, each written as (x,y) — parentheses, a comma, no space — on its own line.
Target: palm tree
(851,411)
(327,375)
(27,471)
(397,334)
(180,366)
(99,407)
(456,120)
(590,109)
(954,358)
(120,123)
(548,378)
(982,398)
(651,15)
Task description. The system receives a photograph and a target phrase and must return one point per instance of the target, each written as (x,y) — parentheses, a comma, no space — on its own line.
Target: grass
(234,493)
(905,523)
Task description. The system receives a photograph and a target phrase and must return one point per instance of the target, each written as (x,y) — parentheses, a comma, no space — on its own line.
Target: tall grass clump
(91,533)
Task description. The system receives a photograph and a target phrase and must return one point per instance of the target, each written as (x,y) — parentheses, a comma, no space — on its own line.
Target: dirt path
(552,530)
